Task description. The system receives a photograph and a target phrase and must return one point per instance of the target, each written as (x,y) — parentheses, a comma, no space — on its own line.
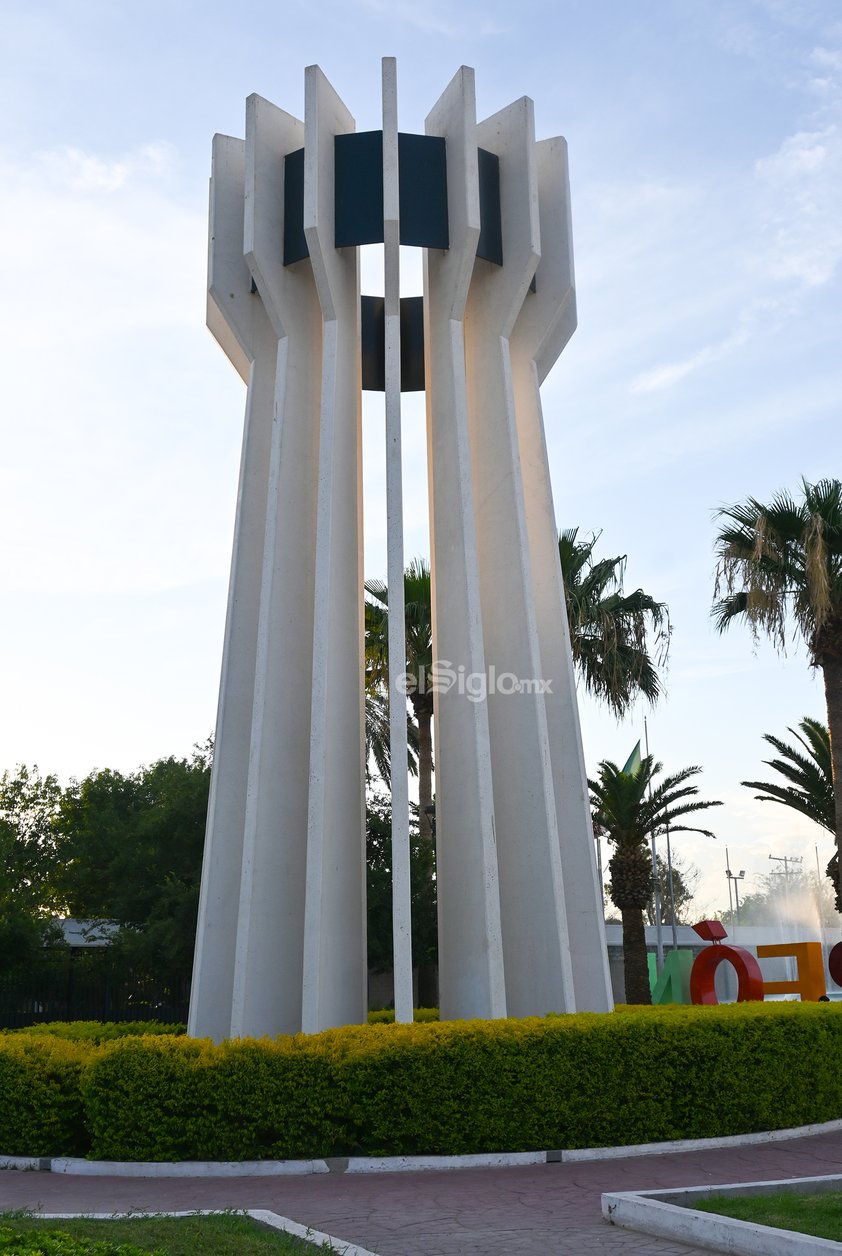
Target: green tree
(418,618)
(684,881)
(29,860)
(618,640)
(808,771)
(133,846)
(629,807)
(779,564)
(379,886)
(377,747)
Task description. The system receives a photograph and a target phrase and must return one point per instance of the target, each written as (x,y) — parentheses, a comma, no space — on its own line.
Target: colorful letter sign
(809,984)
(750,978)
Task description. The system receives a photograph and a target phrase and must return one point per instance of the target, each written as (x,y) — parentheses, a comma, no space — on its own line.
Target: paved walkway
(539,1210)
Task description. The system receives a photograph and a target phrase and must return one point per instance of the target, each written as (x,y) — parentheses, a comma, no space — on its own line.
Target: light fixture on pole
(735,877)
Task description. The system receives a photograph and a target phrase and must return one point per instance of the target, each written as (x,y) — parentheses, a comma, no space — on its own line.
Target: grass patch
(819,1215)
(225,1235)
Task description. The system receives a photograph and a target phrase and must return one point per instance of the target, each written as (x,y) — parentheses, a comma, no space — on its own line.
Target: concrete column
(269,954)
(546,322)
(535,945)
(334,980)
(471,982)
(238,320)
(401,884)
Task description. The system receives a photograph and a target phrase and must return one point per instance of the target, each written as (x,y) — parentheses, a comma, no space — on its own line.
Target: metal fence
(92,985)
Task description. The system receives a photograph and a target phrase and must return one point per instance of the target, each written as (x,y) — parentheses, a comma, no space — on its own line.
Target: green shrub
(386,1015)
(41,1110)
(174,1099)
(15,1241)
(97,1031)
(641,1075)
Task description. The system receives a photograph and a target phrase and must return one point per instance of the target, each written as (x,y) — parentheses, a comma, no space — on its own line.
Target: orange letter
(810,982)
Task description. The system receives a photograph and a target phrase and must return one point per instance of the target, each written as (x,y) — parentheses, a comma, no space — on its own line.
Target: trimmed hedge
(96,1031)
(41,1111)
(386,1016)
(186,1099)
(639,1075)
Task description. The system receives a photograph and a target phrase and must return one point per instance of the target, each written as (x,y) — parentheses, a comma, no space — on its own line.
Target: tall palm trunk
(831,664)
(635,964)
(422,706)
(631,883)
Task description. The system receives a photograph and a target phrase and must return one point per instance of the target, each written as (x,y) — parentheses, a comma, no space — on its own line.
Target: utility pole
(659,936)
(728,875)
(786,860)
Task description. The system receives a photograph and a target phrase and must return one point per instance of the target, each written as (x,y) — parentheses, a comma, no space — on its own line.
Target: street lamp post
(735,877)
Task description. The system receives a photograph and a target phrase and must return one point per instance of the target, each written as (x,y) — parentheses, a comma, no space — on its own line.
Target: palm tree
(609,629)
(377,746)
(419,658)
(628,807)
(810,788)
(784,560)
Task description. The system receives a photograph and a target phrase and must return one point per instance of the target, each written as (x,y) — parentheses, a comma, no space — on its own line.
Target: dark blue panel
(422,165)
(373,343)
(491,226)
(295,244)
(359,188)
(412,344)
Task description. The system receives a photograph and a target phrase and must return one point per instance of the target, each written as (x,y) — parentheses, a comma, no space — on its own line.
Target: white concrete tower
(281,933)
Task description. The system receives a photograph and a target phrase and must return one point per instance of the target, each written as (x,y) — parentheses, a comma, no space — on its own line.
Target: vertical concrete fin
(545,324)
(240,323)
(535,943)
(269,955)
(334,977)
(471,982)
(401,886)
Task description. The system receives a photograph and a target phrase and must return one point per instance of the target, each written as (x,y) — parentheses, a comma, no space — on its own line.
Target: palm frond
(810,776)
(618,639)
(630,807)
(781,563)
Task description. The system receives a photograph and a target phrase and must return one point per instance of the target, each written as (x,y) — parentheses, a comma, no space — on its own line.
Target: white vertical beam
(335,976)
(535,945)
(470,946)
(238,320)
(269,957)
(545,324)
(401,888)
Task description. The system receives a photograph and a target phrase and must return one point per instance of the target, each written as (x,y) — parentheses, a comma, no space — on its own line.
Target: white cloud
(108,372)
(85,172)
(799,185)
(666,376)
(90,246)
(829,57)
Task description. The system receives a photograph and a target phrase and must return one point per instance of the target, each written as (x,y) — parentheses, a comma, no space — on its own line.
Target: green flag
(632,765)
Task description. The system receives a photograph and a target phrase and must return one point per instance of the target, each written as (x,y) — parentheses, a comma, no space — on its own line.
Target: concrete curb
(188,1168)
(699,1144)
(395,1164)
(670,1214)
(261,1215)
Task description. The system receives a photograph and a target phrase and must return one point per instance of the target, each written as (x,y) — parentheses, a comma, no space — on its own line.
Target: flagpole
(659,936)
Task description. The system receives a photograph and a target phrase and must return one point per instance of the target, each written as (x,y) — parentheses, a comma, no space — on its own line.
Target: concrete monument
(281,933)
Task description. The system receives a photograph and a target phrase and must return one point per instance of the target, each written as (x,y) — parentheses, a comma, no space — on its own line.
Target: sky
(706,173)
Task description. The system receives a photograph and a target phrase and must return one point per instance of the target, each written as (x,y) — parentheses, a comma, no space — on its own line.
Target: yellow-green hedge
(41,1111)
(641,1075)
